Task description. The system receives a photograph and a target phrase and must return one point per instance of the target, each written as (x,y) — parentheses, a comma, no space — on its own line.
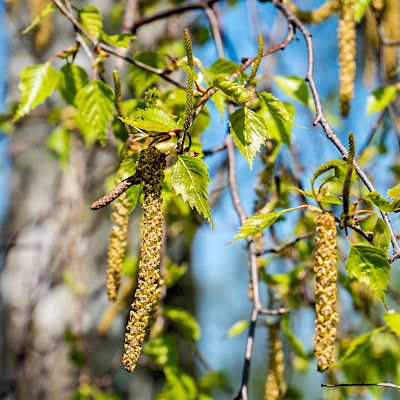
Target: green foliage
(235,91)
(381,98)
(180,386)
(189,179)
(58,142)
(394,191)
(392,320)
(357,346)
(369,264)
(237,328)
(383,204)
(257,223)
(277,108)
(153,120)
(360,7)
(91,19)
(295,88)
(37,83)
(95,104)
(47,10)
(212,380)
(174,273)
(381,238)
(162,350)
(249,132)
(184,321)
(119,40)
(72,79)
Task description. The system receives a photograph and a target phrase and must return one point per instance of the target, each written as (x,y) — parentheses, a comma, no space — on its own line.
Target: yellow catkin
(275,383)
(115,308)
(347,54)
(44,31)
(316,16)
(390,22)
(325,290)
(150,167)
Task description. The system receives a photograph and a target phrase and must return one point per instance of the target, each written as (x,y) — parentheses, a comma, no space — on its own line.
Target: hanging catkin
(317,15)
(150,168)
(275,383)
(325,290)
(347,54)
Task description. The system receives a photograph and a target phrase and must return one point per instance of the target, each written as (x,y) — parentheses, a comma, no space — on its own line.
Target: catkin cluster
(275,384)
(347,54)
(317,15)
(150,168)
(325,290)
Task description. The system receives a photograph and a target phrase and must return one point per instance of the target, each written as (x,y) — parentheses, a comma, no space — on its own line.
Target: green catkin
(347,180)
(150,167)
(189,107)
(275,383)
(316,16)
(257,61)
(325,290)
(347,54)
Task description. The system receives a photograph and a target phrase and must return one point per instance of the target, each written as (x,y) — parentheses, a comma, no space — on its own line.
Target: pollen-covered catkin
(317,15)
(347,54)
(150,168)
(325,290)
(275,383)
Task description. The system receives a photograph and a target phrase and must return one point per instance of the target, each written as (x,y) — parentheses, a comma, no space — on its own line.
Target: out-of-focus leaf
(72,79)
(95,103)
(174,273)
(212,380)
(360,7)
(184,321)
(180,386)
(368,264)
(357,346)
(249,132)
(394,191)
(47,10)
(37,83)
(58,142)
(277,108)
(162,350)
(296,88)
(189,179)
(90,18)
(380,98)
(393,322)
(119,40)
(237,328)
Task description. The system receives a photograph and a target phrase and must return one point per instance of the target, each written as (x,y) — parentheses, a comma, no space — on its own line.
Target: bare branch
(383,384)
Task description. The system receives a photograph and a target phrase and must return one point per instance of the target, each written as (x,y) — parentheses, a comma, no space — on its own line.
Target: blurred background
(53,248)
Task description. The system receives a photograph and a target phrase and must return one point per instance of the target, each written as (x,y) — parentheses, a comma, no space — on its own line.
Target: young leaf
(48,9)
(236,91)
(256,224)
(162,350)
(381,238)
(90,18)
(179,386)
(358,345)
(394,191)
(37,83)
(276,107)
(95,103)
(380,98)
(296,88)
(383,204)
(368,264)
(152,119)
(360,7)
(237,328)
(184,321)
(332,164)
(119,40)
(393,322)
(212,380)
(189,179)
(58,142)
(72,79)
(249,132)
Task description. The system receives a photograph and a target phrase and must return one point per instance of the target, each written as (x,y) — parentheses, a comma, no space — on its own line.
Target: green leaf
(249,132)
(383,204)
(174,273)
(235,91)
(296,88)
(394,191)
(277,108)
(360,7)
(212,380)
(152,119)
(180,386)
(58,142)
(47,10)
(184,321)
(380,98)
(72,79)
(357,346)
(332,164)
(237,328)
(368,264)
(323,198)
(189,179)
(162,350)
(393,322)
(221,66)
(256,224)
(90,18)
(294,341)
(95,103)
(119,40)
(37,83)
(381,238)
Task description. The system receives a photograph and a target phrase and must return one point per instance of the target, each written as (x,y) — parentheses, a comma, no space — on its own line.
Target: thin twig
(383,384)
(279,249)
